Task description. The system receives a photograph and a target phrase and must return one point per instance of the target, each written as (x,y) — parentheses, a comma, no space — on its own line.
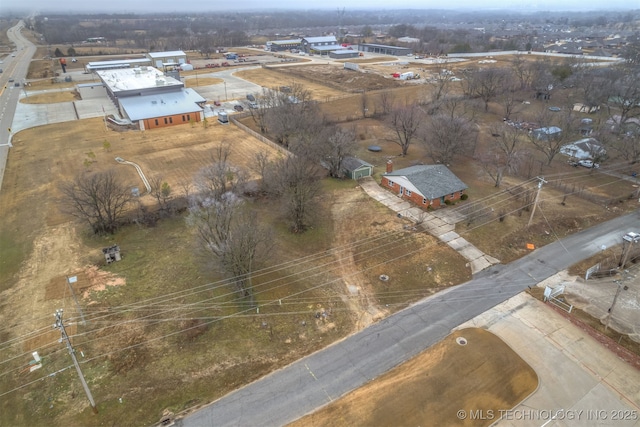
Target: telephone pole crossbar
(60,325)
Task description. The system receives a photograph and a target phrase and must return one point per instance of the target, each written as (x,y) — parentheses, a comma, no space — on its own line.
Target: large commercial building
(151,99)
(384,49)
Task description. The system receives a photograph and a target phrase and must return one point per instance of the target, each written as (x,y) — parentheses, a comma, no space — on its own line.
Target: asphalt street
(322,377)
(14,67)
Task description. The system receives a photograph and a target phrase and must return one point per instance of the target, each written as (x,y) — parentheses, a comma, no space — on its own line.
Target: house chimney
(389,166)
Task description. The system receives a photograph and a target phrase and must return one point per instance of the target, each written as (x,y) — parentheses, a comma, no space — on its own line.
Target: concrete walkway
(441,224)
(581,382)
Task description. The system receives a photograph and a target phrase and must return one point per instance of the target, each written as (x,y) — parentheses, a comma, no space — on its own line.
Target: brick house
(424,185)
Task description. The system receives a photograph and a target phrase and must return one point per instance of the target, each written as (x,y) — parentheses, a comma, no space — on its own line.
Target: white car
(588,164)
(632,237)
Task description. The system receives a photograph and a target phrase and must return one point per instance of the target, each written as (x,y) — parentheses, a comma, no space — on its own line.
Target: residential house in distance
(584,149)
(547,133)
(424,185)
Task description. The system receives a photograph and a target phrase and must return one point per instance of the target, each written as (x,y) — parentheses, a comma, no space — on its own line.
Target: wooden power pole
(60,325)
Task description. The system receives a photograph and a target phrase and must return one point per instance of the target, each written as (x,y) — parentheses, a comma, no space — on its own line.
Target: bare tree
(296,181)
(406,122)
(288,113)
(623,94)
(442,82)
(161,190)
(99,198)
(220,176)
(486,84)
(386,101)
(339,144)
(504,152)
(522,71)
(542,81)
(547,142)
(446,137)
(364,103)
(232,233)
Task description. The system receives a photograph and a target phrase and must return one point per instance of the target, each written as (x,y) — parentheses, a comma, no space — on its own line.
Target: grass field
(164,330)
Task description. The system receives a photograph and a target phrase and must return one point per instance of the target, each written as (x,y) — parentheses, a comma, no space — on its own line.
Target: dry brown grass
(483,375)
(50,98)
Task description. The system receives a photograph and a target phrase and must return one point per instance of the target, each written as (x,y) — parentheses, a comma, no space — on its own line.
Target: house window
(453,195)
(188,117)
(424,201)
(156,122)
(170,119)
(165,120)
(461,193)
(408,192)
(184,119)
(390,183)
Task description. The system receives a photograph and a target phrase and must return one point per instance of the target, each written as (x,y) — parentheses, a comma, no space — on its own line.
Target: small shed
(355,168)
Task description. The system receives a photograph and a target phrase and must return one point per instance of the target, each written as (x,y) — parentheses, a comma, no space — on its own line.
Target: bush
(464,197)
(448,202)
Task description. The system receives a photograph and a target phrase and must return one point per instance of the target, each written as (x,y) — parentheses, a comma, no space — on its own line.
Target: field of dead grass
(484,374)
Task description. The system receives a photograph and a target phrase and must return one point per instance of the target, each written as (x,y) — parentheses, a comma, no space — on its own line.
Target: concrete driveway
(581,382)
(440,223)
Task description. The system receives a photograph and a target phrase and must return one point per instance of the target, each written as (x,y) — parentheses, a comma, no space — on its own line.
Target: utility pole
(60,325)
(613,304)
(535,203)
(626,252)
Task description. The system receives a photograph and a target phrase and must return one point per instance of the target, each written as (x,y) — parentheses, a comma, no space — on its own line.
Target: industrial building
(385,50)
(282,45)
(320,45)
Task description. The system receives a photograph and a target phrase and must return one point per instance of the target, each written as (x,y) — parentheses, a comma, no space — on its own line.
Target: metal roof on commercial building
(167,54)
(160,105)
(122,63)
(330,47)
(128,79)
(322,39)
(286,42)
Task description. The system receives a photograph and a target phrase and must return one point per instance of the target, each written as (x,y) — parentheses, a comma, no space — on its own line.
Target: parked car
(632,237)
(253,105)
(588,164)
(238,107)
(251,98)
(11,80)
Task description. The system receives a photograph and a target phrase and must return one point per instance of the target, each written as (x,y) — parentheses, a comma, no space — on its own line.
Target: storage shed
(355,168)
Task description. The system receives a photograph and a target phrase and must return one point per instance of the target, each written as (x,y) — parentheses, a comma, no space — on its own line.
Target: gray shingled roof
(352,163)
(433,181)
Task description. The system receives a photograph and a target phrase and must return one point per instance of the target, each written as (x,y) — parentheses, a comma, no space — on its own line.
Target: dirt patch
(471,370)
(88,279)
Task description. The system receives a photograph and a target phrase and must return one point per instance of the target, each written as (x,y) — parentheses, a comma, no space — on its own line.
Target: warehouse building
(385,50)
(320,45)
(282,45)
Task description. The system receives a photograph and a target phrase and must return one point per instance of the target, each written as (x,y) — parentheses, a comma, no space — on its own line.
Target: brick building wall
(176,119)
(416,198)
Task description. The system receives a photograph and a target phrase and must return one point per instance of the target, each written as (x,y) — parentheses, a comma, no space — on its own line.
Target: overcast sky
(117,6)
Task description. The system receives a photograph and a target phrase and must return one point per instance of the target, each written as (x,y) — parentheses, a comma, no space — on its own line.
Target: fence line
(258,136)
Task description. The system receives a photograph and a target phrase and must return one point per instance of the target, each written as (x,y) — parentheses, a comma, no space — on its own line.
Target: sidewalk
(581,382)
(441,224)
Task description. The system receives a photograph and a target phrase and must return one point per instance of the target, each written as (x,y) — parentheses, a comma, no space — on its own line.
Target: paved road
(309,383)
(13,68)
